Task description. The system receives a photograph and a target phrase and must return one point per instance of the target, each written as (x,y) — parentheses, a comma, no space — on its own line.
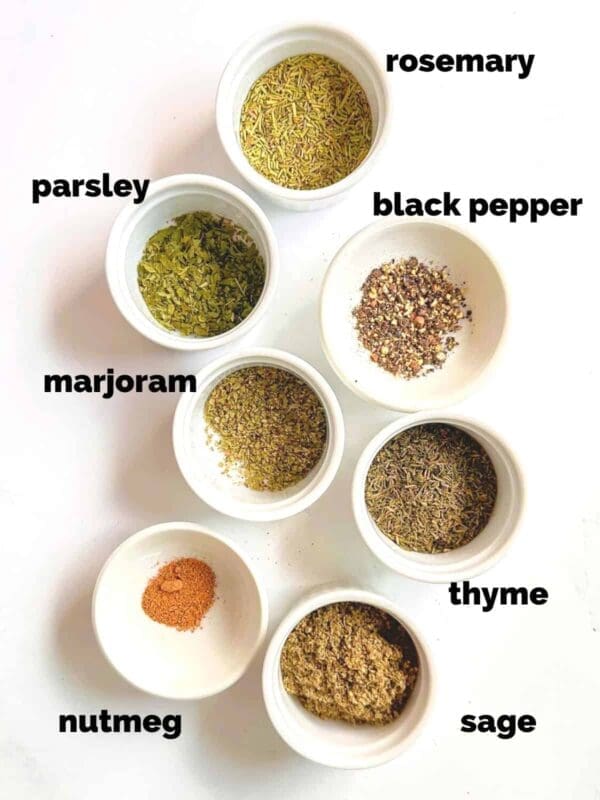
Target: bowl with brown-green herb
(195,265)
(438,497)
(303,111)
(348,679)
(262,436)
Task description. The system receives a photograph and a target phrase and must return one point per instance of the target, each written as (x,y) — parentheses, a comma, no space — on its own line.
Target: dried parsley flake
(202,275)
(306,123)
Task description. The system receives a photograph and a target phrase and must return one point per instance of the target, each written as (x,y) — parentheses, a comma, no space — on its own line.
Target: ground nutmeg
(180,594)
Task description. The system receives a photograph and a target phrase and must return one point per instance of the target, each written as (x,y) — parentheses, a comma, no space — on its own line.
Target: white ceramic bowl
(480,339)
(263,51)
(199,462)
(180,665)
(166,199)
(486,548)
(338,744)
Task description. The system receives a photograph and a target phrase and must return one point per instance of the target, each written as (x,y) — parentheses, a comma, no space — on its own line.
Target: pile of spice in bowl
(268,425)
(350,662)
(348,679)
(306,123)
(437,497)
(201,276)
(180,594)
(407,315)
(432,488)
(178,611)
(262,436)
(302,112)
(195,265)
(412,314)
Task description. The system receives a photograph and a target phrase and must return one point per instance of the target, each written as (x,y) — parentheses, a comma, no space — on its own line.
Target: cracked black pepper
(407,314)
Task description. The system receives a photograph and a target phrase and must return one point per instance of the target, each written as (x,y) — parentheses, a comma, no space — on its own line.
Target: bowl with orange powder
(178,611)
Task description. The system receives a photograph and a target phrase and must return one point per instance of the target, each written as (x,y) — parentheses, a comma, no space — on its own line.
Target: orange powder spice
(180,594)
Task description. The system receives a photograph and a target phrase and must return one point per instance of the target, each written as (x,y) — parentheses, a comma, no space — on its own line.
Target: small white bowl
(180,665)
(199,462)
(167,198)
(339,744)
(486,548)
(479,340)
(263,51)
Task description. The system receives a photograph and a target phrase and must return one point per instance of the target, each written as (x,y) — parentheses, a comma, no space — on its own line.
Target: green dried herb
(269,425)
(350,662)
(431,489)
(202,275)
(306,123)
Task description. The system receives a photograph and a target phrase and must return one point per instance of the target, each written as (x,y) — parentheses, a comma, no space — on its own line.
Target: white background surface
(128,87)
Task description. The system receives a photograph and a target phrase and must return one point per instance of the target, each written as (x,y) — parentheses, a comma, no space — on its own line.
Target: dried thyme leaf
(269,425)
(202,275)
(431,489)
(306,123)
(350,662)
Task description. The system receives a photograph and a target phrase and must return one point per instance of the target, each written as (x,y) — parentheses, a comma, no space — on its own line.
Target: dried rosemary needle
(431,489)
(269,425)
(202,275)
(306,123)
(350,662)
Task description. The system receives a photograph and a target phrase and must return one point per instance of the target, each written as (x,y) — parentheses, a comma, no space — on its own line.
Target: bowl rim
(231,146)
(394,558)
(114,265)
(218,367)
(194,528)
(467,388)
(317,598)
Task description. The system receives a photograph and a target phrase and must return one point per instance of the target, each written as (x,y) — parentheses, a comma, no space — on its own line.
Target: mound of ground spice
(180,594)
(350,662)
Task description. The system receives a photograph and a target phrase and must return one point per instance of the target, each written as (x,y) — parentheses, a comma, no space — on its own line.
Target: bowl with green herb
(262,436)
(195,265)
(303,112)
(438,497)
(348,678)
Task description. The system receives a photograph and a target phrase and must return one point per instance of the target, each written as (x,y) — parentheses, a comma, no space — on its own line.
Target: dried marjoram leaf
(306,123)
(202,275)
(269,425)
(431,489)
(350,662)
(406,314)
